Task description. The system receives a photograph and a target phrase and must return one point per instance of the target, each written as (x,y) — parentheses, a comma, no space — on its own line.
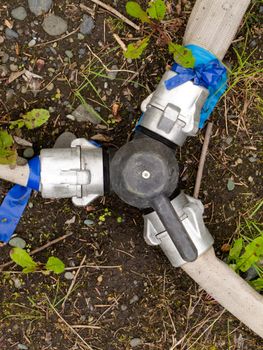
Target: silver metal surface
(75,172)
(174,114)
(190,211)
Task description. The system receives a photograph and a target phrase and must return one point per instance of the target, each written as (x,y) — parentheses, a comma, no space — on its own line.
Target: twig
(120,42)
(88,9)
(73,282)
(69,326)
(55,40)
(116,13)
(37,250)
(202,159)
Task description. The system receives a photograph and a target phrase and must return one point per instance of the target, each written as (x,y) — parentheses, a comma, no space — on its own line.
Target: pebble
(124,307)
(252,159)
(22,347)
(135,342)
(11,34)
(88,222)
(30,205)
(230,185)
(3,71)
(134,299)
(28,153)
(85,114)
(2,39)
(81,36)
(250,179)
(17,283)
(32,43)
(229,140)
(69,275)
(13,67)
(64,140)
(113,75)
(50,87)
(69,54)
(19,13)
(87,25)
(54,25)
(39,7)
(5,58)
(17,242)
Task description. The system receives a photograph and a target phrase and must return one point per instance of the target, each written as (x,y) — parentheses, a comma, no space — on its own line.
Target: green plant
(153,17)
(247,251)
(8,153)
(32,119)
(23,259)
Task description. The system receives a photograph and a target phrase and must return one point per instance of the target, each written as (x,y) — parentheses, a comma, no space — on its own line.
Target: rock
(54,25)
(69,275)
(86,114)
(88,222)
(17,283)
(229,140)
(81,36)
(21,161)
(69,54)
(17,242)
(19,13)
(39,7)
(30,205)
(230,185)
(5,57)
(28,153)
(113,75)
(87,25)
(124,307)
(252,159)
(134,299)
(32,43)
(135,342)
(3,71)
(64,140)
(22,347)
(13,67)
(11,34)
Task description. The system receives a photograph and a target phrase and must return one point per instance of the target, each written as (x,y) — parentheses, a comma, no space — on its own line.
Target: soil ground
(127,290)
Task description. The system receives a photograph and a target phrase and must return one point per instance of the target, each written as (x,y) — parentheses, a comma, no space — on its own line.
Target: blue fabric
(208,72)
(16,200)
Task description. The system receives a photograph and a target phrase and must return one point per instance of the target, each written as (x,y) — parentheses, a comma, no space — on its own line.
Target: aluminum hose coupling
(80,172)
(190,211)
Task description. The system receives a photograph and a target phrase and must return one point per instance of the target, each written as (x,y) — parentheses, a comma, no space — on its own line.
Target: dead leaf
(15,75)
(22,142)
(101,138)
(71,221)
(115,108)
(9,24)
(225,248)
(17,49)
(90,208)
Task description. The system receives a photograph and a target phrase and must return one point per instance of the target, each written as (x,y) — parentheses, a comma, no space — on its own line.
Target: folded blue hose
(16,200)
(208,72)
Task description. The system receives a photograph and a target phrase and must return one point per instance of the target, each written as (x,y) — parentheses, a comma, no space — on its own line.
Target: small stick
(116,13)
(55,40)
(69,326)
(88,9)
(37,250)
(73,282)
(202,159)
(120,42)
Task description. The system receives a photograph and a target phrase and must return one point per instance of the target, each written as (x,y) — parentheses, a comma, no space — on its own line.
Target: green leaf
(253,254)
(135,50)
(19,123)
(23,259)
(36,118)
(8,156)
(134,9)
(6,140)
(55,265)
(235,251)
(257,284)
(182,55)
(157,9)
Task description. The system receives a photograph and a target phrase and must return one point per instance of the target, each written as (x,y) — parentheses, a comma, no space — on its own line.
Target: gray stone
(88,222)
(28,153)
(11,34)
(54,25)
(230,185)
(5,57)
(13,67)
(124,307)
(69,54)
(17,283)
(3,71)
(17,242)
(32,43)
(86,114)
(81,36)
(69,275)
(39,7)
(135,342)
(22,347)
(261,9)
(19,13)
(87,25)
(113,75)
(64,140)
(134,299)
